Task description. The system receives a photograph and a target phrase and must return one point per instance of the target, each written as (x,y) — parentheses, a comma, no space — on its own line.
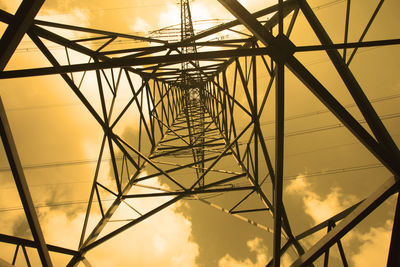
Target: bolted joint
(108,131)
(76,259)
(282,48)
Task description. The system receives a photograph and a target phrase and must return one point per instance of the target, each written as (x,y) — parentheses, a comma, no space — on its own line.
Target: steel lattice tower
(193,93)
(199,119)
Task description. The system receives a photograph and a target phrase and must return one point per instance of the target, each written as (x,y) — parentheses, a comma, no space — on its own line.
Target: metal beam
(130,224)
(278,53)
(281,43)
(22,186)
(288,6)
(127,62)
(96,31)
(29,243)
(193,192)
(332,46)
(325,223)
(92,240)
(43,33)
(394,255)
(219,43)
(247,20)
(371,117)
(279,145)
(366,30)
(346,27)
(17,28)
(342,114)
(363,210)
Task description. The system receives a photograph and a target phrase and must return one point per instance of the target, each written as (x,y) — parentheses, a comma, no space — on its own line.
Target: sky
(327,170)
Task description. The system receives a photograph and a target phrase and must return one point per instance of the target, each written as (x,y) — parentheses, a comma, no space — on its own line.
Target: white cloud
(77,16)
(375,247)
(170,16)
(318,208)
(297,185)
(255,245)
(164,239)
(141,26)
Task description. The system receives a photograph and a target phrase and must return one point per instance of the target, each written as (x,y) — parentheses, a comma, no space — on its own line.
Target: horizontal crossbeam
(129,62)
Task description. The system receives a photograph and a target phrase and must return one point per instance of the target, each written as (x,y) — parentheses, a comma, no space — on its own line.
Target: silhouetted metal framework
(188,120)
(193,93)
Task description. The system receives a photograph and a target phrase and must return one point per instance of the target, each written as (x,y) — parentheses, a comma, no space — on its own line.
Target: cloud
(141,25)
(297,185)
(164,239)
(375,246)
(318,208)
(255,245)
(77,16)
(366,249)
(169,16)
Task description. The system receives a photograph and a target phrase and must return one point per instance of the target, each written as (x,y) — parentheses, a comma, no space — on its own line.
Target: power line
(329,4)
(322,128)
(161,3)
(291,177)
(336,171)
(118,42)
(305,131)
(53,204)
(318,112)
(60,164)
(330,127)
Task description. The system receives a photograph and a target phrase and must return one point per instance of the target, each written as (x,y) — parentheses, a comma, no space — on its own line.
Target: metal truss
(190,118)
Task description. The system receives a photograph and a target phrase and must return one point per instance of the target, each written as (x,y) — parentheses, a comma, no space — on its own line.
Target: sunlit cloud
(255,245)
(148,243)
(77,16)
(171,16)
(262,252)
(167,237)
(141,26)
(164,239)
(375,246)
(317,207)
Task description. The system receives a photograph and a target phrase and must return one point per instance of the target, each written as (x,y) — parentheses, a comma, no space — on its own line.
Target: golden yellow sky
(327,168)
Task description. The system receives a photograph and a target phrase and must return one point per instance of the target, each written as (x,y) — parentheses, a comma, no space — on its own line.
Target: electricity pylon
(199,111)
(194,94)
